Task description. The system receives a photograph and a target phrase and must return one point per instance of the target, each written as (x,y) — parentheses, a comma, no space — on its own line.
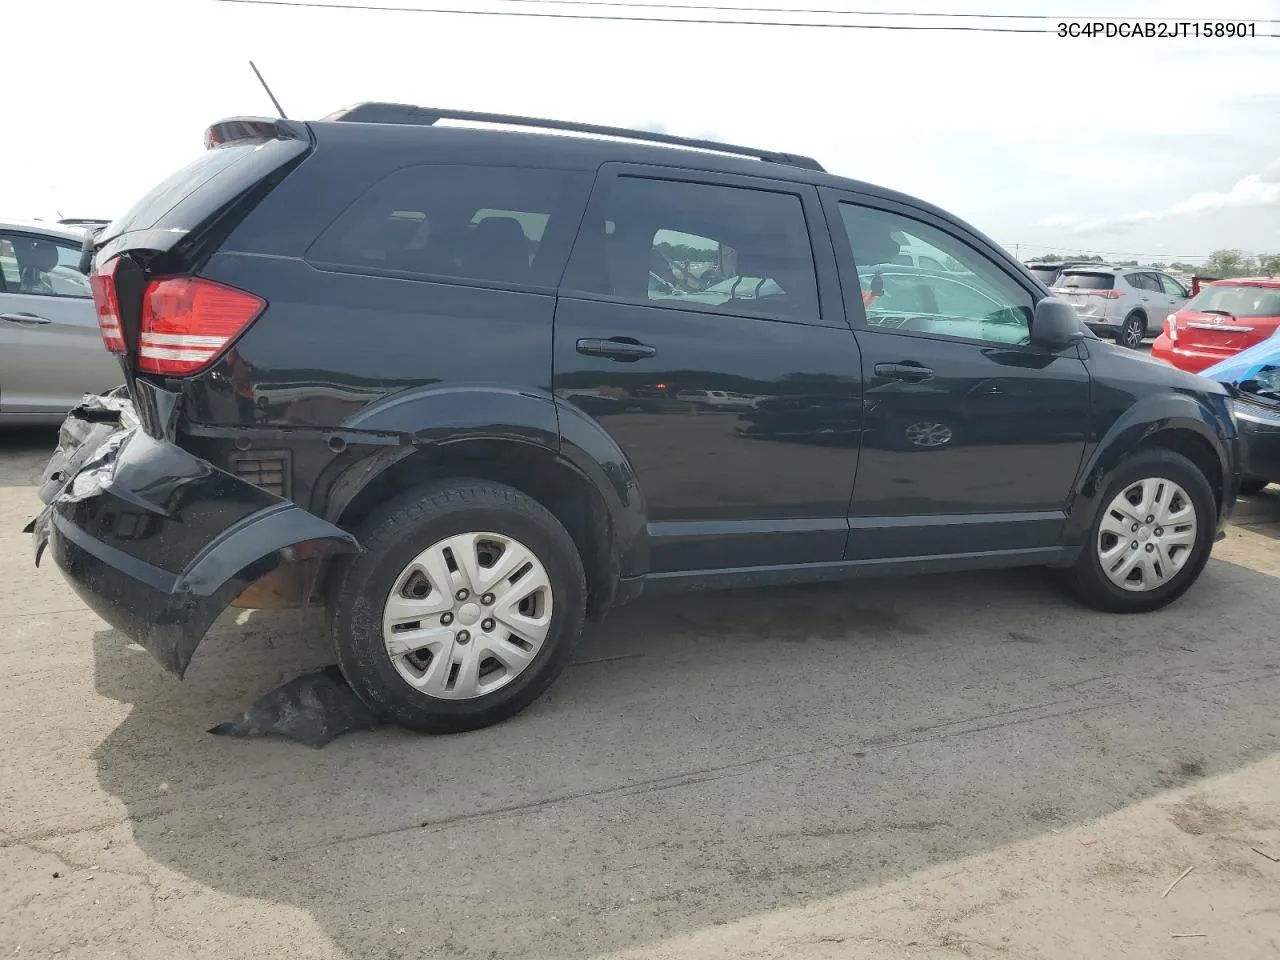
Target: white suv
(1123,303)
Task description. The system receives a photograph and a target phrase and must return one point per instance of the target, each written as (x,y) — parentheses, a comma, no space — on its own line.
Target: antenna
(274,101)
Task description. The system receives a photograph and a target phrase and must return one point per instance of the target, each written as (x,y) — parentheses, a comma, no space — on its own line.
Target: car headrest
(874,246)
(35,254)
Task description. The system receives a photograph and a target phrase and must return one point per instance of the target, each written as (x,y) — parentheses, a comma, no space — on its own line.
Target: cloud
(1257,190)
(1120,224)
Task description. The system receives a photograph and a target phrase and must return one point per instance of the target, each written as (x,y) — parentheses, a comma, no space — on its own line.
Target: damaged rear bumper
(158,542)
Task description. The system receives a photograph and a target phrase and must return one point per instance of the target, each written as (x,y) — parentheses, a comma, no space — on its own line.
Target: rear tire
(1133,332)
(431,629)
(1167,560)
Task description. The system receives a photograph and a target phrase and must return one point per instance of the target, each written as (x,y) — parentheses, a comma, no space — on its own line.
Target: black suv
(469,386)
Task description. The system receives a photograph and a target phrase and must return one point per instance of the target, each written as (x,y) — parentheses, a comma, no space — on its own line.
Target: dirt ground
(959,766)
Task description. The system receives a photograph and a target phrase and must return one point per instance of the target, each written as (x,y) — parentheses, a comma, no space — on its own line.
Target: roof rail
(426,116)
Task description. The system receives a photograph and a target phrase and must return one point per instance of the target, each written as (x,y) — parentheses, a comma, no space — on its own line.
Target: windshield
(1238,300)
(1088,281)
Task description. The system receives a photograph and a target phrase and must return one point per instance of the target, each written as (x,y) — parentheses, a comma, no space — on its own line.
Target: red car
(1225,317)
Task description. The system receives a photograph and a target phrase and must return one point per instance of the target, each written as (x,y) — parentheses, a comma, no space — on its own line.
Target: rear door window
(704,246)
(1088,281)
(494,224)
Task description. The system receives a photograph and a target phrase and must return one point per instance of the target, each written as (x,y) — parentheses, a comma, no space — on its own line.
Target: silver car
(51,352)
(1125,304)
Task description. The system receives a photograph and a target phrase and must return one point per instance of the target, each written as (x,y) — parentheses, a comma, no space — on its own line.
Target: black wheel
(1151,537)
(463,608)
(1252,485)
(1134,331)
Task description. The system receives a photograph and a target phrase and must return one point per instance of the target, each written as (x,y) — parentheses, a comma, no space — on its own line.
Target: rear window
(501,224)
(186,199)
(165,196)
(1088,281)
(1044,274)
(1239,301)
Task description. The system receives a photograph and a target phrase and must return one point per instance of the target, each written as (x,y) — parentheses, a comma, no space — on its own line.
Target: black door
(972,438)
(696,329)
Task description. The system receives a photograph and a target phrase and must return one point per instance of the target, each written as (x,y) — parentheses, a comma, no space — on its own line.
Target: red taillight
(103,285)
(187,321)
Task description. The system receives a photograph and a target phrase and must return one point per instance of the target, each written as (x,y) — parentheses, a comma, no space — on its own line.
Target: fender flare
(1144,421)
(458,413)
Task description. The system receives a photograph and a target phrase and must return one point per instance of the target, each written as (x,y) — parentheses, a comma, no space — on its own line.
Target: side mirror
(1056,325)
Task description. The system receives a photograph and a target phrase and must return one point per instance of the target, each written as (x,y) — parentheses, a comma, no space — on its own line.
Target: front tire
(463,608)
(1151,537)
(1134,331)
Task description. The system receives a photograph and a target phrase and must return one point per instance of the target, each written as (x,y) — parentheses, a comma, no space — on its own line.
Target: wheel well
(535,472)
(1196,449)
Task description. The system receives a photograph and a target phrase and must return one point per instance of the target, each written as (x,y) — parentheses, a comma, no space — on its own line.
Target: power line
(633,18)
(1110,253)
(829,11)
(315,5)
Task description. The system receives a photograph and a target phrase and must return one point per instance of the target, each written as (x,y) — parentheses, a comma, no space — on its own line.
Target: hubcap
(449,644)
(1133,333)
(928,433)
(1147,534)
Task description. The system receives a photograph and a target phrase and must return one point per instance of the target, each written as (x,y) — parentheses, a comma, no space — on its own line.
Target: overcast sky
(1155,147)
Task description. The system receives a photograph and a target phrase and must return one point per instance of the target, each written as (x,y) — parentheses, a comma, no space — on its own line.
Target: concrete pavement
(960,766)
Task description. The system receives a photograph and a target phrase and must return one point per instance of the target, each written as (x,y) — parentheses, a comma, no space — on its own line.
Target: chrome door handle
(29,319)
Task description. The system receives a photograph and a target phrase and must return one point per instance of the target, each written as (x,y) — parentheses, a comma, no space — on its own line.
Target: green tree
(1269,263)
(1228,263)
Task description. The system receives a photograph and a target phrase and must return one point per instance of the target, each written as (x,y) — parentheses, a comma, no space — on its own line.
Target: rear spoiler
(239,129)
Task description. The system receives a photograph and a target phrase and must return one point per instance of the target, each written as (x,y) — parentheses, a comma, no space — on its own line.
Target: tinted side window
(37,266)
(689,245)
(498,224)
(1142,281)
(976,300)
